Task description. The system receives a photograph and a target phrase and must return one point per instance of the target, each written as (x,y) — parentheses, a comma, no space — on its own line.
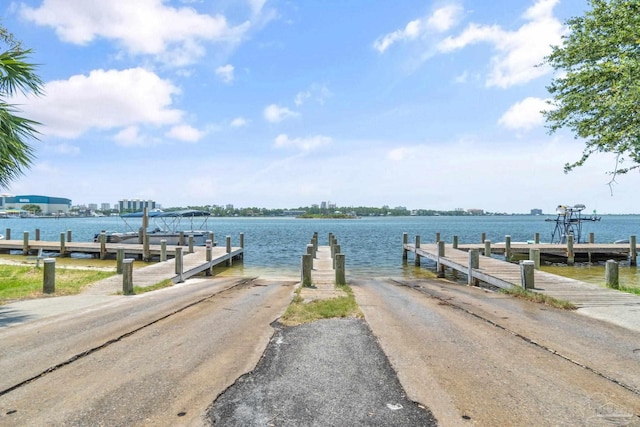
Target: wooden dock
(85,248)
(193,263)
(506,275)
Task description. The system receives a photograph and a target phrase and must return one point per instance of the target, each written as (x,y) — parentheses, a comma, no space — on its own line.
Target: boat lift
(569,221)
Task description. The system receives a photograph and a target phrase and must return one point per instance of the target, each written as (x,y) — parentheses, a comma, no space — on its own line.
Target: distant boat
(167,227)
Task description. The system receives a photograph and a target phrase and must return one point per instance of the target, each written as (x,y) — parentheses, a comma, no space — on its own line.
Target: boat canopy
(184,213)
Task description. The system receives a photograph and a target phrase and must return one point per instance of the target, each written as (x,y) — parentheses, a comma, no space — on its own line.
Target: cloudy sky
(278,103)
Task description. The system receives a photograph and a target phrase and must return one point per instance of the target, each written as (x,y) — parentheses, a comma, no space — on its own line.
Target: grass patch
(538,298)
(300,312)
(629,289)
(18,283)
(143,289)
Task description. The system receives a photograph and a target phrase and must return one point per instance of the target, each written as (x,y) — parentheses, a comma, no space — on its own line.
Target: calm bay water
(372,246)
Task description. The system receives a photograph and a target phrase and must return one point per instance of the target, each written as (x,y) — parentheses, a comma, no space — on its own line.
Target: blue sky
(423,104)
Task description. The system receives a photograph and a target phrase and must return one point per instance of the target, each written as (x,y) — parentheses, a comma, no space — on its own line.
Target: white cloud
(185,133)
(102,100)
(239,122)
(129,136)
(67,149)
(525,114)
(275,114)
(304,144)
(225,72)
(317,92)
(148,27)
(518,53)
(440,20)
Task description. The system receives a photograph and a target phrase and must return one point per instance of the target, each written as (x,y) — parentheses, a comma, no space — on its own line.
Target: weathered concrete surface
(165,357)
(326,373)
(481,358)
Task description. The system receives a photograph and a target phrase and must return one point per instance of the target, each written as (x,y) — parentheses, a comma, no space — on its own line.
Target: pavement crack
(119,338)
(447,301)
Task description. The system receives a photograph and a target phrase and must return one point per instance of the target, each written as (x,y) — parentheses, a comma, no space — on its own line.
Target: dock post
(190,240)
(49,276)
(440,254)
(437,237)
(527,274)
(454,244)
(417,246)
(229,261)
(103,245)
(536,238)
(7,234)
(611,274)
(62,248)
(163,250)
(633,254)
(534,255)
(146,252)
(474,262)
(592,238)
(307,265)
(405,252)
(119,259)
(483,237)
(314,243)
(241,256)
(25,243)
(37,234)
(127,276)
(330,239)
(68,235)
(213,241)
(179,263)
(507,248)
(340,276)
(487,248)
(336,251)
(209,256)
(570,254)
(181,239)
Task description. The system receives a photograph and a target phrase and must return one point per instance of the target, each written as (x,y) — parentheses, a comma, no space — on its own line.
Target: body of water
(372,245)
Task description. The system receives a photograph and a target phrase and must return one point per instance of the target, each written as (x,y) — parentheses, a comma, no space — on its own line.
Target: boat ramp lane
(323,269)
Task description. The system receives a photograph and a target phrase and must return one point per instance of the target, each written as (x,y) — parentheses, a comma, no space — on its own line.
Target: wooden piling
(534,255)
(487,248)
(454,243)
(62,247)
(209,256)
(507,248)
(119,259)
(336,251)
(474,262)
(440,266)
(190,240)
(633,253)
(37,234)
(163,250)
(49,276)
(103,245)
(570,253)
(405,252)
(527,274)
(229,261)
(340,270)
(611,274)
(483,237)
(7,234)
(536,238)
(25,243)
(417,259)
(178,261)
(68,236)
(127,276)
(307,264)
(437,237)
(146,250)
